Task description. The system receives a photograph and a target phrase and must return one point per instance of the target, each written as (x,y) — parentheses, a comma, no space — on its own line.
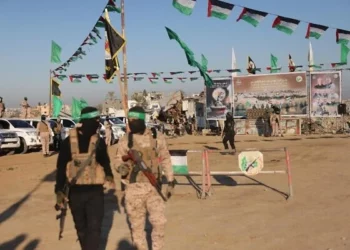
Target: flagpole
(50,94)
(125,93)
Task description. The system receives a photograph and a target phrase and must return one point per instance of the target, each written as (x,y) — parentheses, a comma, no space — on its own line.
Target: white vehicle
(118,128)
(9,142)
(34,123)
(117,132)
(26,133)
(67,123)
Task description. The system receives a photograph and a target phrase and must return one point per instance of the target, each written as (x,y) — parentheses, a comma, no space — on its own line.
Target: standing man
(57,130)
(44,132)
(83,150)
(108,132)
(140,196)
(228,133)
(25,108)
(2,108)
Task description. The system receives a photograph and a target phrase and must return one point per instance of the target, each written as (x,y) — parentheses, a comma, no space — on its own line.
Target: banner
(325,93)
(287,91)
(219,99)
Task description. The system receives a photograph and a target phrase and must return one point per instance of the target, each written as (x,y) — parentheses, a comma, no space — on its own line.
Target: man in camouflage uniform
(25,108)
(140,196)
(2,108)
(44,132)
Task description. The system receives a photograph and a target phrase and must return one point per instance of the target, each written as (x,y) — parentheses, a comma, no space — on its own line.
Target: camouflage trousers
(142,198)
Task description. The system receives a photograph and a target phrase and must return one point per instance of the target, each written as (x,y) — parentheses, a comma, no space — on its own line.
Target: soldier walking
(140,196)
(275,120)
(2,108)
(25,108)
(228,133)
(44,132)
(57,130)
(83,165)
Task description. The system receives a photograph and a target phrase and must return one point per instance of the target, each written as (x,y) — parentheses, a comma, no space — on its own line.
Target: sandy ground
(241,213)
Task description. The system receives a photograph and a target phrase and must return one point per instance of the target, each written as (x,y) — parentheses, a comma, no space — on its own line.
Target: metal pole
(50,95)
(125,92)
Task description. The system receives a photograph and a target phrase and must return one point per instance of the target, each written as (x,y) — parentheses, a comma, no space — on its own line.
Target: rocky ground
(242,213)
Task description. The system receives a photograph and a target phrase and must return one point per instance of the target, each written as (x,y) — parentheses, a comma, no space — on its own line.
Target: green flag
(57,106)
(55,52)
(273,64)
(344,53)
(77,106)
(190,57)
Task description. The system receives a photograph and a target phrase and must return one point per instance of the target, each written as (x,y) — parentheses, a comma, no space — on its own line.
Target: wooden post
(125,94)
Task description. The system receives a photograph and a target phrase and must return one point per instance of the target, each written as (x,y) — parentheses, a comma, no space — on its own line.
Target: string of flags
(222,9)
(90,40)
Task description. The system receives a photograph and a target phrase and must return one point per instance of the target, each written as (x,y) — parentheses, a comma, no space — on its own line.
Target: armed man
(44,132)
(83,167)
(2,108)
(141,157)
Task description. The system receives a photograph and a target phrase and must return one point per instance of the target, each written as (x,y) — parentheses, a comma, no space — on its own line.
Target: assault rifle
(140,165)
(63,214)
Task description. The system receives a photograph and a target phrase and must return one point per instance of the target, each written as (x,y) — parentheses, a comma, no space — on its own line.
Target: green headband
(137,115)
(90,115)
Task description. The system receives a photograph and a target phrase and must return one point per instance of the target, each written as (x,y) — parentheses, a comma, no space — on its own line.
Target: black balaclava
(137,126)
(43,118)
(25,98)
(89,125)
(0,99)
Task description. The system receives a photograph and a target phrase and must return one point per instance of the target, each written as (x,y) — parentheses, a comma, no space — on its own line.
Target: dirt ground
(242,213)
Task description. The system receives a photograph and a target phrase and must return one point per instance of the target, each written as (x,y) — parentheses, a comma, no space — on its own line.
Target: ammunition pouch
(134,172)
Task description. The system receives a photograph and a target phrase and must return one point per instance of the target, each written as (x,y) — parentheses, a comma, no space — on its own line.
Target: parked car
(26,133)
(9,142)
(117,132)
(34,123)
(67,123)
(118,127)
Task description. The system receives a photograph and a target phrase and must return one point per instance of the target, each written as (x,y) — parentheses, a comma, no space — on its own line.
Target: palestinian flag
(219,9)
(136,74)
(184,6)
(285,24)
(137,79)
(154,74)
(176,72)
(179,161)
(254,17)
(168,80)
(112,7)
(343,36)
(75,78)
(233,70)
(193,71)
(55,88)
(291,65)
(182,79)
(61,77)
(153,80)
(194,78)
(315,30)
(92,78)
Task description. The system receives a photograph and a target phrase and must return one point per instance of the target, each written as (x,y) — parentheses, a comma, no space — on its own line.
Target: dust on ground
(242,213)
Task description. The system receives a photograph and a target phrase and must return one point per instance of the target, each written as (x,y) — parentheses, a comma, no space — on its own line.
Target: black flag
(113,44)
(55,90)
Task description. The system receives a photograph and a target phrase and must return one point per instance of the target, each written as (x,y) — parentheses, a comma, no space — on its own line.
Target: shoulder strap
(74,143)
(93,143)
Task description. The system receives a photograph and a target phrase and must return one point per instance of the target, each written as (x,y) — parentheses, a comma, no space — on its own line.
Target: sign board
(251,162)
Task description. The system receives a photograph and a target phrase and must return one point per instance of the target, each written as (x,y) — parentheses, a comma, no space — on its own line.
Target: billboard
(325,93)
(219,99)
(288,91)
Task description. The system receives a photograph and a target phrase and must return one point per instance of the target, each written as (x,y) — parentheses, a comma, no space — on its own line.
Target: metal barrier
(205,185)
(208,173)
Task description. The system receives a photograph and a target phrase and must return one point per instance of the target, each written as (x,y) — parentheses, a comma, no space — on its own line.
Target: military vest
(93,173)
(149,155)
(44,127)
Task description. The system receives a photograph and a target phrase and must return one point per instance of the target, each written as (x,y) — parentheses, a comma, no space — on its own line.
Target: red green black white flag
(343,36)
(285,24)
(315,30)
(253,17)
(219,9)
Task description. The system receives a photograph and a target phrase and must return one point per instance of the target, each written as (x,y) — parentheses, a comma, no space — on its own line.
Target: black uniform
(229,133)
(85,201)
